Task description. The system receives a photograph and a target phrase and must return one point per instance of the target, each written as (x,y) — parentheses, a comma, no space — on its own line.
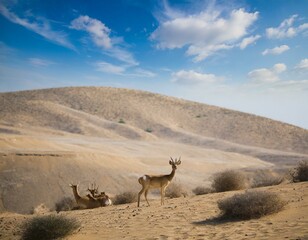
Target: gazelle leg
(139,194)
(145,195)
(162,196)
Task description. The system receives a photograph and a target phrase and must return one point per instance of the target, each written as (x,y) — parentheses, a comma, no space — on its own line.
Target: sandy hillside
(184,218)
(50,138)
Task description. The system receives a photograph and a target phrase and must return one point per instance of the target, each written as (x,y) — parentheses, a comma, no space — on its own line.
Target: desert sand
(53,137)
(194,217)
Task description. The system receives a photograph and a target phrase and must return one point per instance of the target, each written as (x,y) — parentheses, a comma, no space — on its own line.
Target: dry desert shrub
(40,209)
(252,204)
(228,181)
(264,178)
(125,197)
(175,190)
(65,204)
(300,173)
(48,227)
(202,190)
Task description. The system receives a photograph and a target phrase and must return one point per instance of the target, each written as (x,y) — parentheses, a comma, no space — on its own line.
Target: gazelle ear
(170,162)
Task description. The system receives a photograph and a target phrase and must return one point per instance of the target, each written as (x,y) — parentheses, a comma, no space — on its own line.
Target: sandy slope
(184,218)
(31,173)
(50,138)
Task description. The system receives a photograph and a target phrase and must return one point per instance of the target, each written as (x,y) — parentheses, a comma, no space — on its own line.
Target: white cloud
(265,75)
(110,68)
(139,72)
(193,77)
(248,41)
(279,68)
(204,33)
(100,35)
(98,31)
(39,25)
(38,62)
(303,65)
(286,29)
(276,50)
(123,70)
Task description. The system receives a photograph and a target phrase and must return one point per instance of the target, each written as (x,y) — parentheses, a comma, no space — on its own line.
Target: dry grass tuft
(175,190)
(229,180)
(300,173)
(202,190)
(264,178)
(125,197)
(252,204)
(40,209)
(48,227)
(65,204)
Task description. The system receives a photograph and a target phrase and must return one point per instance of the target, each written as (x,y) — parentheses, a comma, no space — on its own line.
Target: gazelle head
(73,185)
(175,162)
(93,190)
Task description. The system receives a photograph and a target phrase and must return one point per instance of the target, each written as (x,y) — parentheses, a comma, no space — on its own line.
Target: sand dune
(184,218)
(50,138)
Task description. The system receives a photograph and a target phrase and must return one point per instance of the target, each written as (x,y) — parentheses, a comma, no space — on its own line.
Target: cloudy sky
(248,55)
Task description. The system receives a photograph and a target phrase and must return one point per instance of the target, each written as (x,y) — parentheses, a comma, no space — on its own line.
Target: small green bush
(125,197)
(149,130)
(202,190)
(252,204)
(300,173)
(121,121)
(229,180)
(48,227)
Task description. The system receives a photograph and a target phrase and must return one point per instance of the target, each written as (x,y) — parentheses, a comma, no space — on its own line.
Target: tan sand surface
(192,217)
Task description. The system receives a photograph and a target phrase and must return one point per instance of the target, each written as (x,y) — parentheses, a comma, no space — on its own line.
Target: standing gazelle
(157,181)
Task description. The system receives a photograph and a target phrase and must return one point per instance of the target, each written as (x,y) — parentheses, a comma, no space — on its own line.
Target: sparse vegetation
(65,204)
(121,121)
(252,204)
(263,178)
(125,197)
(149,130)
(175,190)
(202,190)
(300,173)
(40,209)
(228,181)
(48,227)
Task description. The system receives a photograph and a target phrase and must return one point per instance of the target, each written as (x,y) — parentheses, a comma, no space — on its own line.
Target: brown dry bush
(300,173)
(125,197)
(202,190)
(65,204)
(264,178)
(252,204)
(175,190)
(228,181)
(48,227)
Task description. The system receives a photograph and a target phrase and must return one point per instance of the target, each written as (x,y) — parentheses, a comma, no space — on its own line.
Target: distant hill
(96,111)
(52,137)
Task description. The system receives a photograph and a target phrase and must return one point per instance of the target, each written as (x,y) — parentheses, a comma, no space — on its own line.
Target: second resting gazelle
(157,181)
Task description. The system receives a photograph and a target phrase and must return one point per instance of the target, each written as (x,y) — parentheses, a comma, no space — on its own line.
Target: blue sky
(250,56)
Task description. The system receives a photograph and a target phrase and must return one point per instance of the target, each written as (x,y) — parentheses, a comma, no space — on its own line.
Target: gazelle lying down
(90,201)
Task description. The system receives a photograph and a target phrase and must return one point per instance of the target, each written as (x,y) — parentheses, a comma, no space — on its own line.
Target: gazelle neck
(171,175)
(76,194)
